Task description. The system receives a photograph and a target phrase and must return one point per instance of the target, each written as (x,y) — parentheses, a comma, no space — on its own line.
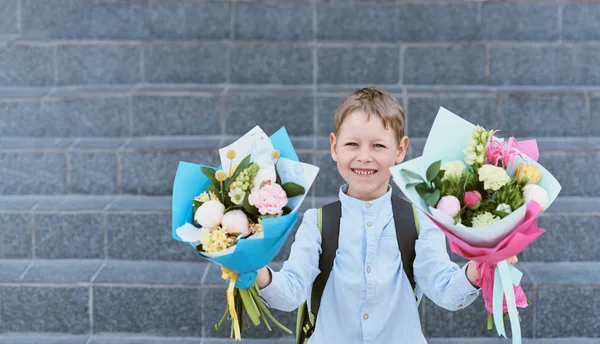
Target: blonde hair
(372,101)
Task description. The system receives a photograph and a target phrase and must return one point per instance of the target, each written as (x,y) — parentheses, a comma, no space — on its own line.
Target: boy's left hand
(473,275)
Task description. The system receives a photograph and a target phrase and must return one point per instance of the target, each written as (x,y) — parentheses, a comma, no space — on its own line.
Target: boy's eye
(379,145)
(351,144)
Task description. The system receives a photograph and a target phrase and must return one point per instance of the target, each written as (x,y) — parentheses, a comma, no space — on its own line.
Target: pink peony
(472,199)
(236,222)
(449,205)
(270,199)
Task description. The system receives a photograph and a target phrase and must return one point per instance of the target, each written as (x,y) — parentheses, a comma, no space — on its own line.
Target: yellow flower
(233,170)
(231,154)
(527,174)
(213,196)
(275,154)
(259,226)
(220,175)
(203,197)
(215,240)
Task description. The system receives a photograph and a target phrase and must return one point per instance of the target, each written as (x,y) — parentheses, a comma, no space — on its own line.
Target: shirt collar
(352,202)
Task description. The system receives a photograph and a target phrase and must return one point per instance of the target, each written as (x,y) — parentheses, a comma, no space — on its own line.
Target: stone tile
(452,65)
(65,309)
(151,311)
(273,21)
(271,64)
(69,236)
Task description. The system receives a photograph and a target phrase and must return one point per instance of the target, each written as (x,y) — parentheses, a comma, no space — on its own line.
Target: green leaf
(410,185)
(286,210)
(213,188)
(210,174)
(502,214)
(278,177)
(242,166)
(249,209)
(411,174)
(292,189)
(432,198)
(433,170)
(422,189)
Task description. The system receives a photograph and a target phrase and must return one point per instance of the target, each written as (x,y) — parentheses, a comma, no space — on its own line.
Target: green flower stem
(267,312)
(250,306)
(218,325)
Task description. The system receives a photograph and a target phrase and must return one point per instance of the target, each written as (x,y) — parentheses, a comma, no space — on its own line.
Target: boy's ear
(402,147)
(333,145)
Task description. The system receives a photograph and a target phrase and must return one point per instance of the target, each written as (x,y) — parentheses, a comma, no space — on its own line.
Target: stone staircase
(99,101)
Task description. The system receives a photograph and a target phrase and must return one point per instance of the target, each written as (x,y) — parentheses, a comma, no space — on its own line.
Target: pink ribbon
(486,258)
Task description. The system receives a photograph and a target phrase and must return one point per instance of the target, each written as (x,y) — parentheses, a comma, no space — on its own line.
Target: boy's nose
(364,155)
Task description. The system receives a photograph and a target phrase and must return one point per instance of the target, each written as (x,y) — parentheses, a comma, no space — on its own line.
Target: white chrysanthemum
(493,177)
(453,169)
(484,219)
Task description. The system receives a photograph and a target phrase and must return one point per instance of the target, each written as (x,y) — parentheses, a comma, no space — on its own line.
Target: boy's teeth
(364,172)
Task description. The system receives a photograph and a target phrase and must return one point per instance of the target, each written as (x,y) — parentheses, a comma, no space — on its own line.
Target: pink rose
(449,205)
(472,199)
(270,199)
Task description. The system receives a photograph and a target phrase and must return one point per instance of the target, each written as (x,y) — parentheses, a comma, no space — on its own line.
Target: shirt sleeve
(290,286)
(442,280)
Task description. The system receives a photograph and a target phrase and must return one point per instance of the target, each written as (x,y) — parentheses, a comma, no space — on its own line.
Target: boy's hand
(473,275)
(264,277)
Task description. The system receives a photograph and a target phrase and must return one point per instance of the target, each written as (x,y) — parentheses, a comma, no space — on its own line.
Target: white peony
(209,214)
(534,192)
(236,222)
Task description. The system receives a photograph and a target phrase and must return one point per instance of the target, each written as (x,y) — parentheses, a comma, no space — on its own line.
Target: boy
(368,297)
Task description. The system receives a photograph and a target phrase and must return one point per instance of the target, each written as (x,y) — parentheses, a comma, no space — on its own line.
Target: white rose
(209,214)
(235,222)
(534,192)
(264,174)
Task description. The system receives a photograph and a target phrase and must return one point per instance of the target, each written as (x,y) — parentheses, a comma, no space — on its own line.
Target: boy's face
(364,151)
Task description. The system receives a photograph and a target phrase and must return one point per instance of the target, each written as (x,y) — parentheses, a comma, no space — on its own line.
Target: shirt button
(368,269)
(366,316)
(369,224)
(368,205)
(459,305)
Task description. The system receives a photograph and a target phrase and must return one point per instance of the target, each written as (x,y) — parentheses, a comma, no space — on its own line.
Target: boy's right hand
(264,277)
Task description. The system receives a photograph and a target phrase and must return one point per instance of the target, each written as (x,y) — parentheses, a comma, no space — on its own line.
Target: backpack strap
(331,215)
(406,223)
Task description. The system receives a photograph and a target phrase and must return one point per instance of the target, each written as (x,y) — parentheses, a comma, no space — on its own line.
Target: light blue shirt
(368,298)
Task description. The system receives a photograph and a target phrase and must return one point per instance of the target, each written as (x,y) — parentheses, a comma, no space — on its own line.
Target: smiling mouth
(363,172)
